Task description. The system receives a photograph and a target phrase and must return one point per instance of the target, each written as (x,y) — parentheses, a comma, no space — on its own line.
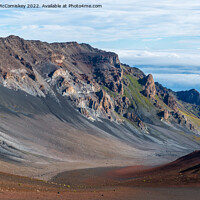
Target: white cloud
(152,39)
(178,81)
(197,41)
(167,57)
(120,19)
(184,79)
(175,69)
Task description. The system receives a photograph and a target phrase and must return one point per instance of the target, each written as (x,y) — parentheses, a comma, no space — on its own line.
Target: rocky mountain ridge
(94,80)
(191,96)
(88,89)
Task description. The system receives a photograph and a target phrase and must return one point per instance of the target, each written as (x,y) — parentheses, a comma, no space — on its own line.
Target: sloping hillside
(70,102)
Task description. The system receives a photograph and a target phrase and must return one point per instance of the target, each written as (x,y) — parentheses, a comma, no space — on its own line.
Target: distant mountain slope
(191,96)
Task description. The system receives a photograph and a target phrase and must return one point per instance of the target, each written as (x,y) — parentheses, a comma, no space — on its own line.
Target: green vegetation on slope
(192,118)
(190,109)
(134,90)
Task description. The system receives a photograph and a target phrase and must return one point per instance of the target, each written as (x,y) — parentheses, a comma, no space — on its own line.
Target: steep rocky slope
(69,102)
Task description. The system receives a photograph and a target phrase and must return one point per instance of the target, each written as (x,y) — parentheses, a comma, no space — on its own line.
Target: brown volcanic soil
(178,180)
(184,171)
(21,188)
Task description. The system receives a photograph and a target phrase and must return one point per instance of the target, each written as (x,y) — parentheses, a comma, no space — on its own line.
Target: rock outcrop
(171,102)
(121,104)
(105,102)
(111,78)
(134,118)
(149,86)
(166,114)
(133,71)
(162,91)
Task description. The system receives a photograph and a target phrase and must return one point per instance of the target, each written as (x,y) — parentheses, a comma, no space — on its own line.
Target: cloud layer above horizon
(142,32)
(173,72)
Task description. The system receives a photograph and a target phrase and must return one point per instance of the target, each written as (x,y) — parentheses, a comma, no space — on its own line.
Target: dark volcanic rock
(171,102)
(134,118)
(121,104)
(110,77)
(162,91)
(190,96)
(133,71)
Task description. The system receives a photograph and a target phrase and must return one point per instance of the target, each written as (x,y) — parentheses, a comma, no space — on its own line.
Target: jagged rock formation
(82,74)
(134,118)
(149,86)
(77,71)
(121,104)
(171,102)
(166,114)
(34,67)
(161,91)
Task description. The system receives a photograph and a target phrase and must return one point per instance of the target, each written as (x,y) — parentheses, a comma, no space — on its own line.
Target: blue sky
(163,35)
